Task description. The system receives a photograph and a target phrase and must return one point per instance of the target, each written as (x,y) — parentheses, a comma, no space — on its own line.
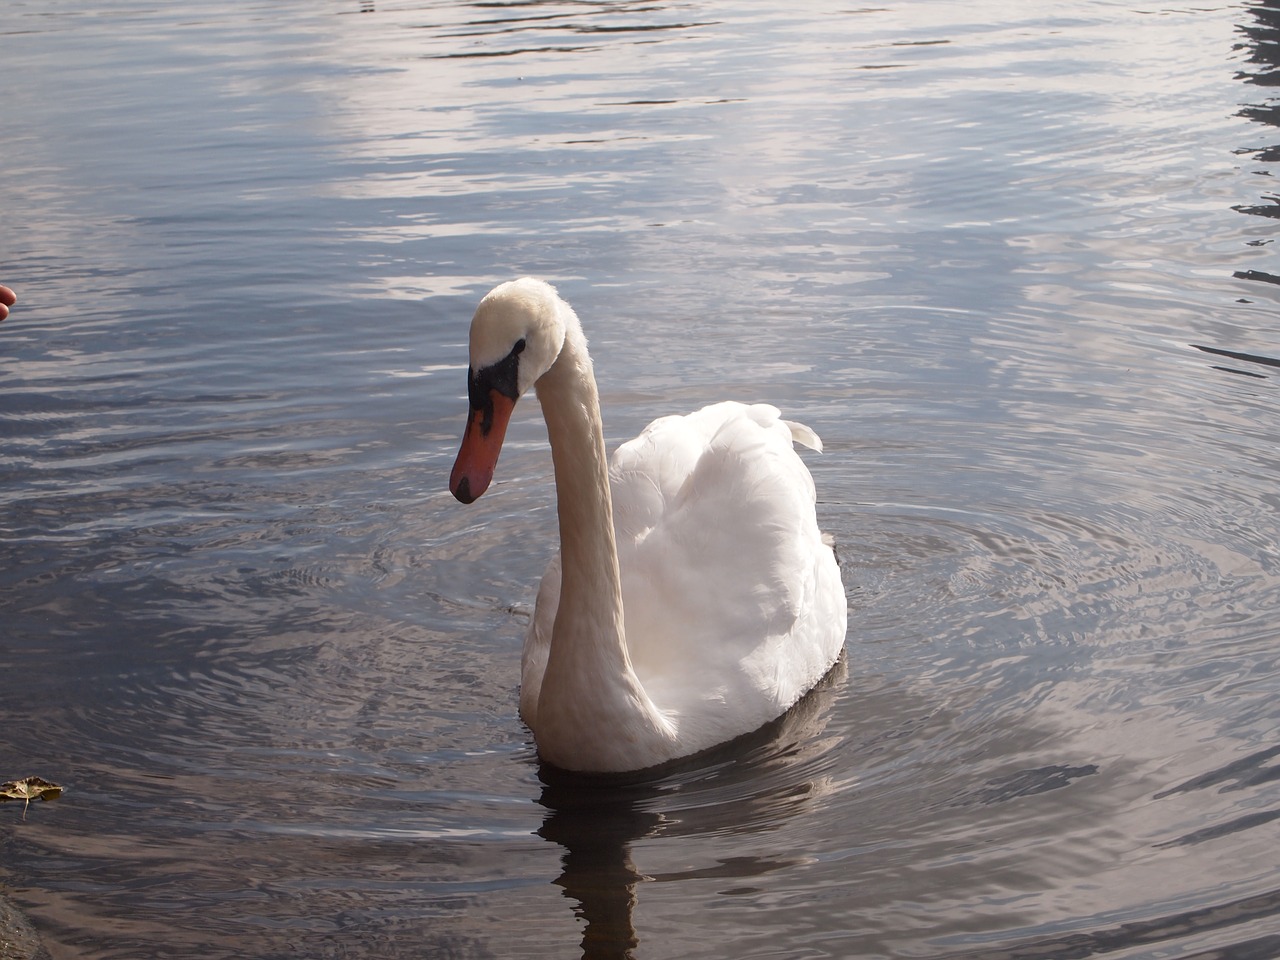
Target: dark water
(1014,263)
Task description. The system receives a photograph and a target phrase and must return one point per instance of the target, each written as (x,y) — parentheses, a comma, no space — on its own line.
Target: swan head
(516,335)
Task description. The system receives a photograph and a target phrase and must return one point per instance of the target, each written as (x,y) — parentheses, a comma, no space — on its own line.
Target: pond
(1013,263)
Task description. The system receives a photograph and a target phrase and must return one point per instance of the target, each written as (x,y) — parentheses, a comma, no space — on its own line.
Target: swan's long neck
(589,684)
(590,610)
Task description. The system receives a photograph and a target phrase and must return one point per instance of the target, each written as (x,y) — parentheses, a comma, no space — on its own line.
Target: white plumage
(695,598)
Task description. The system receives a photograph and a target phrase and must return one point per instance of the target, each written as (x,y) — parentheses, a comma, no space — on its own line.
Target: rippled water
(1014,264)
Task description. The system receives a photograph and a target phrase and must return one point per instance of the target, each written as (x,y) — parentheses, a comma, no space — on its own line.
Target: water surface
(1014,265)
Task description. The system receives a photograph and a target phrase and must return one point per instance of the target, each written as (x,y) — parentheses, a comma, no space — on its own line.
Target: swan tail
(804,435)
(829,542)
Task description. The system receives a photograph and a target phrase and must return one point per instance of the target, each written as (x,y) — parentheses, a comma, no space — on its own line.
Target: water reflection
(1237,355)
(755,783)
(1262,41)
(279,675)
(596,827)
(1163,931)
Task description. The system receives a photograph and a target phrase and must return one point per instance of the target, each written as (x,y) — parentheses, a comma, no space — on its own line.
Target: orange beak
(481,444)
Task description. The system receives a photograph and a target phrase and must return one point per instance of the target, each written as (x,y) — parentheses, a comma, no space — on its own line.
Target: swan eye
(502,377)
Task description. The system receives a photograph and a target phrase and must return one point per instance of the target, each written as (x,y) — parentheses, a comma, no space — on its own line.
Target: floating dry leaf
(28,789)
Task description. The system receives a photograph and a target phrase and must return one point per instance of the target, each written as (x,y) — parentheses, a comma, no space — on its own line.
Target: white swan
(715,606)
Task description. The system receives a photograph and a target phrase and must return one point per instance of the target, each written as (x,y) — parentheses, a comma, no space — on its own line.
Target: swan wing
(537,642)
(731,596)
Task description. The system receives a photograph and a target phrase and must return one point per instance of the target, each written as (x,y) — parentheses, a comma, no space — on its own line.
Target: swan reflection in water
(748,786)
